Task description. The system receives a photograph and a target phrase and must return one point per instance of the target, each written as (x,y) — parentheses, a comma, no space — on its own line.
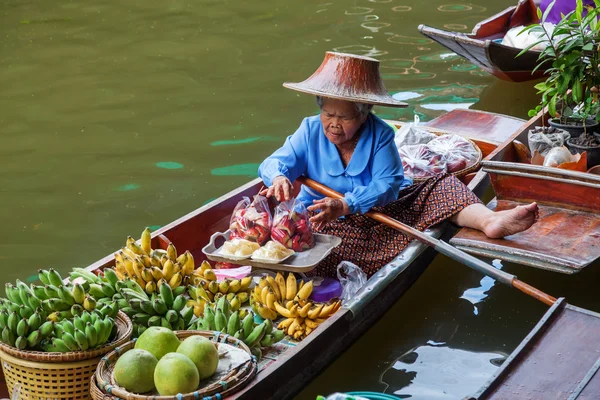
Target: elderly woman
(351,150)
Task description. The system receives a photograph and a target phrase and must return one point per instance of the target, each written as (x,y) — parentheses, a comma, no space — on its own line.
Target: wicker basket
(124,331)
(36,381)
(235,380)
(471,168)
(57,375)
(96,393)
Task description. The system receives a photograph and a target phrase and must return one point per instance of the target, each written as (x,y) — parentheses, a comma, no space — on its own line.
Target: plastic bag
(251,220)
(341,396)
(420,161)
(458,151)
(412,134)
(352,279)
(291,227)
(542,141)
(514,37)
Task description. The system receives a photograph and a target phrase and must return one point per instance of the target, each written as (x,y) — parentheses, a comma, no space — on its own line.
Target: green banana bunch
(87,331)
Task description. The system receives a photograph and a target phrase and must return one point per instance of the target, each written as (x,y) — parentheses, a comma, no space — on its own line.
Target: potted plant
(570,90)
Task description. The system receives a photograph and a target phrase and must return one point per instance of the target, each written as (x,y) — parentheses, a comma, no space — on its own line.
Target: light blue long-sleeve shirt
(373,177)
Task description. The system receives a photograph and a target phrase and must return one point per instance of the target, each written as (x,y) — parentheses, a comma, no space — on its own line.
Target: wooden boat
(286,369)
(558,360)
(482,46)
(566,236)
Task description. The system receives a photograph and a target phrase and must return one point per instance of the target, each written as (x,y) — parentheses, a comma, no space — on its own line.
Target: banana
(43,276)
(89,303)
(181,259)
(188,266)
(235,304)
(311,323)
(34,322)
(147,275)
(168,269)
(245,282)
(55,305)
(234,323)
(78,293)
(147,307)
(172,316)
(274,287)
(284,312)
(267,341)
(178,303)
(248,324)
(188,314)
(155,260)
(172,252)
(150,287)
(96,291)
(25,312)
(81,339)
(243,297)
(91,335)
(290,291)
(111,277)
(263,293)
(210,275)
(138,268)
(70,341)
(175,280)
(199,292)
(141,318)
(314,313)
(51,292)
(327,310)
(223,305)
(68,326)
(266,313)
(8,336)
(294,326)
(66,295)
(209,317)
(256,335)
(39,292)
(22,328)
(160,307)
(157,273)
(47,328)
(166,294)
(305,290)
(270,303)
(3,319)
(224,286)
(280,281)
(54,277)
(135,248)
(220,320)
(213,287)
(12,321)
(235,285)
(303,312)
(154,320)
(146,241)
(128,265)
(34,339)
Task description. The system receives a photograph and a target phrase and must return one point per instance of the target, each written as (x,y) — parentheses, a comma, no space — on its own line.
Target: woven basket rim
(50,366)
(96,393)
(463,171)
(242,374)
(124,329)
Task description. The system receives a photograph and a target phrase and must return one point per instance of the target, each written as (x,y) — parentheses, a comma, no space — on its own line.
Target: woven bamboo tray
(124,331)
(98,394)
(460,173)
(235,380)
(41,381)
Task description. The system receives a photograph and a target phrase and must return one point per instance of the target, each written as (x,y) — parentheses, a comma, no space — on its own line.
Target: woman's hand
(331,209)
(282,189)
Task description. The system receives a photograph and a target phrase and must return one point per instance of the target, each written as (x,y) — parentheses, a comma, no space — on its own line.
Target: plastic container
(327,289)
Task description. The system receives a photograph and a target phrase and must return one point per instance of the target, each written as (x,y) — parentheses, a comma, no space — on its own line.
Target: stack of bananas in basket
(151,268)
(279,296)
(32,317)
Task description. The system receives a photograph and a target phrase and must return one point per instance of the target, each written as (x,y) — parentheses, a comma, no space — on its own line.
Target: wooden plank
(550,364)
(488,126)
(562,240)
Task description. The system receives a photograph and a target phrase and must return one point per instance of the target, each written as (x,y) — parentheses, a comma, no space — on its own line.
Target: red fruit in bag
(291,227)
(251,220)
(263,233)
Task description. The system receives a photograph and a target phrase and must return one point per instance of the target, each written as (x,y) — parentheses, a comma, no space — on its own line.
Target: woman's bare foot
(509,222)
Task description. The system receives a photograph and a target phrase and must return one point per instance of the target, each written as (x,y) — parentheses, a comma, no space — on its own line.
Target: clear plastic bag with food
(420,161)
(543,139)
(459,152)
(412,134)
(352,278)
(251,220)
(291,227)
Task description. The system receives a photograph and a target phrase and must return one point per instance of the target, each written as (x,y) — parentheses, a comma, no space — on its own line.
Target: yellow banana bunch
(151,268)
(302,321)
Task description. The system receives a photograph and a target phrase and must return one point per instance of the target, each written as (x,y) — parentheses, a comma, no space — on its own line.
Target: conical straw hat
(348,77)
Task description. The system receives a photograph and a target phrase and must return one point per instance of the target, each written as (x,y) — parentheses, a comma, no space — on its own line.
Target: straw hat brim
(386,101)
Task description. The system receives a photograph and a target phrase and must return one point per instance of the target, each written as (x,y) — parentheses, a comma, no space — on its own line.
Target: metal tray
(304,261)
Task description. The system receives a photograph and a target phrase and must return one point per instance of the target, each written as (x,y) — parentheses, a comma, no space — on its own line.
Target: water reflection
(478,294)
(438,372)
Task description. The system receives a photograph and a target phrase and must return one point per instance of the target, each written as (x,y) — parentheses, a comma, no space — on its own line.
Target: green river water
(115,115)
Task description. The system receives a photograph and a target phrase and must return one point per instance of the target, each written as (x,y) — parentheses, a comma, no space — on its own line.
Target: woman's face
(340,120)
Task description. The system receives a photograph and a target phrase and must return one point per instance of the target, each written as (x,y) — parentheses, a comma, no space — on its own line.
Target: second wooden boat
(482,46)
(289,366)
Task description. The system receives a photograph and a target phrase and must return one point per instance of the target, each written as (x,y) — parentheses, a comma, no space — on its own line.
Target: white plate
(271,261)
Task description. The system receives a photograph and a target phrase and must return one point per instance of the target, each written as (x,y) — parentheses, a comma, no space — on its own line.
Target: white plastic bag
(543,141)
(352,278)
(341,396)
(412,134)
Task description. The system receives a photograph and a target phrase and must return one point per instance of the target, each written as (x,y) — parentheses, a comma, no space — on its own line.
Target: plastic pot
(574,126)
(593,153)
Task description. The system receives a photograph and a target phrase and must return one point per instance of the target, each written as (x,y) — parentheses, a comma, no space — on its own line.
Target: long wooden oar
(442,247)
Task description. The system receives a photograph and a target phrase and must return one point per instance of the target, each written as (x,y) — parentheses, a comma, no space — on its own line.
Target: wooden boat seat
(566,237)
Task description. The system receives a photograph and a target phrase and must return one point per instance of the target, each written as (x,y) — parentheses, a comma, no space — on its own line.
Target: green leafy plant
(570,90)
